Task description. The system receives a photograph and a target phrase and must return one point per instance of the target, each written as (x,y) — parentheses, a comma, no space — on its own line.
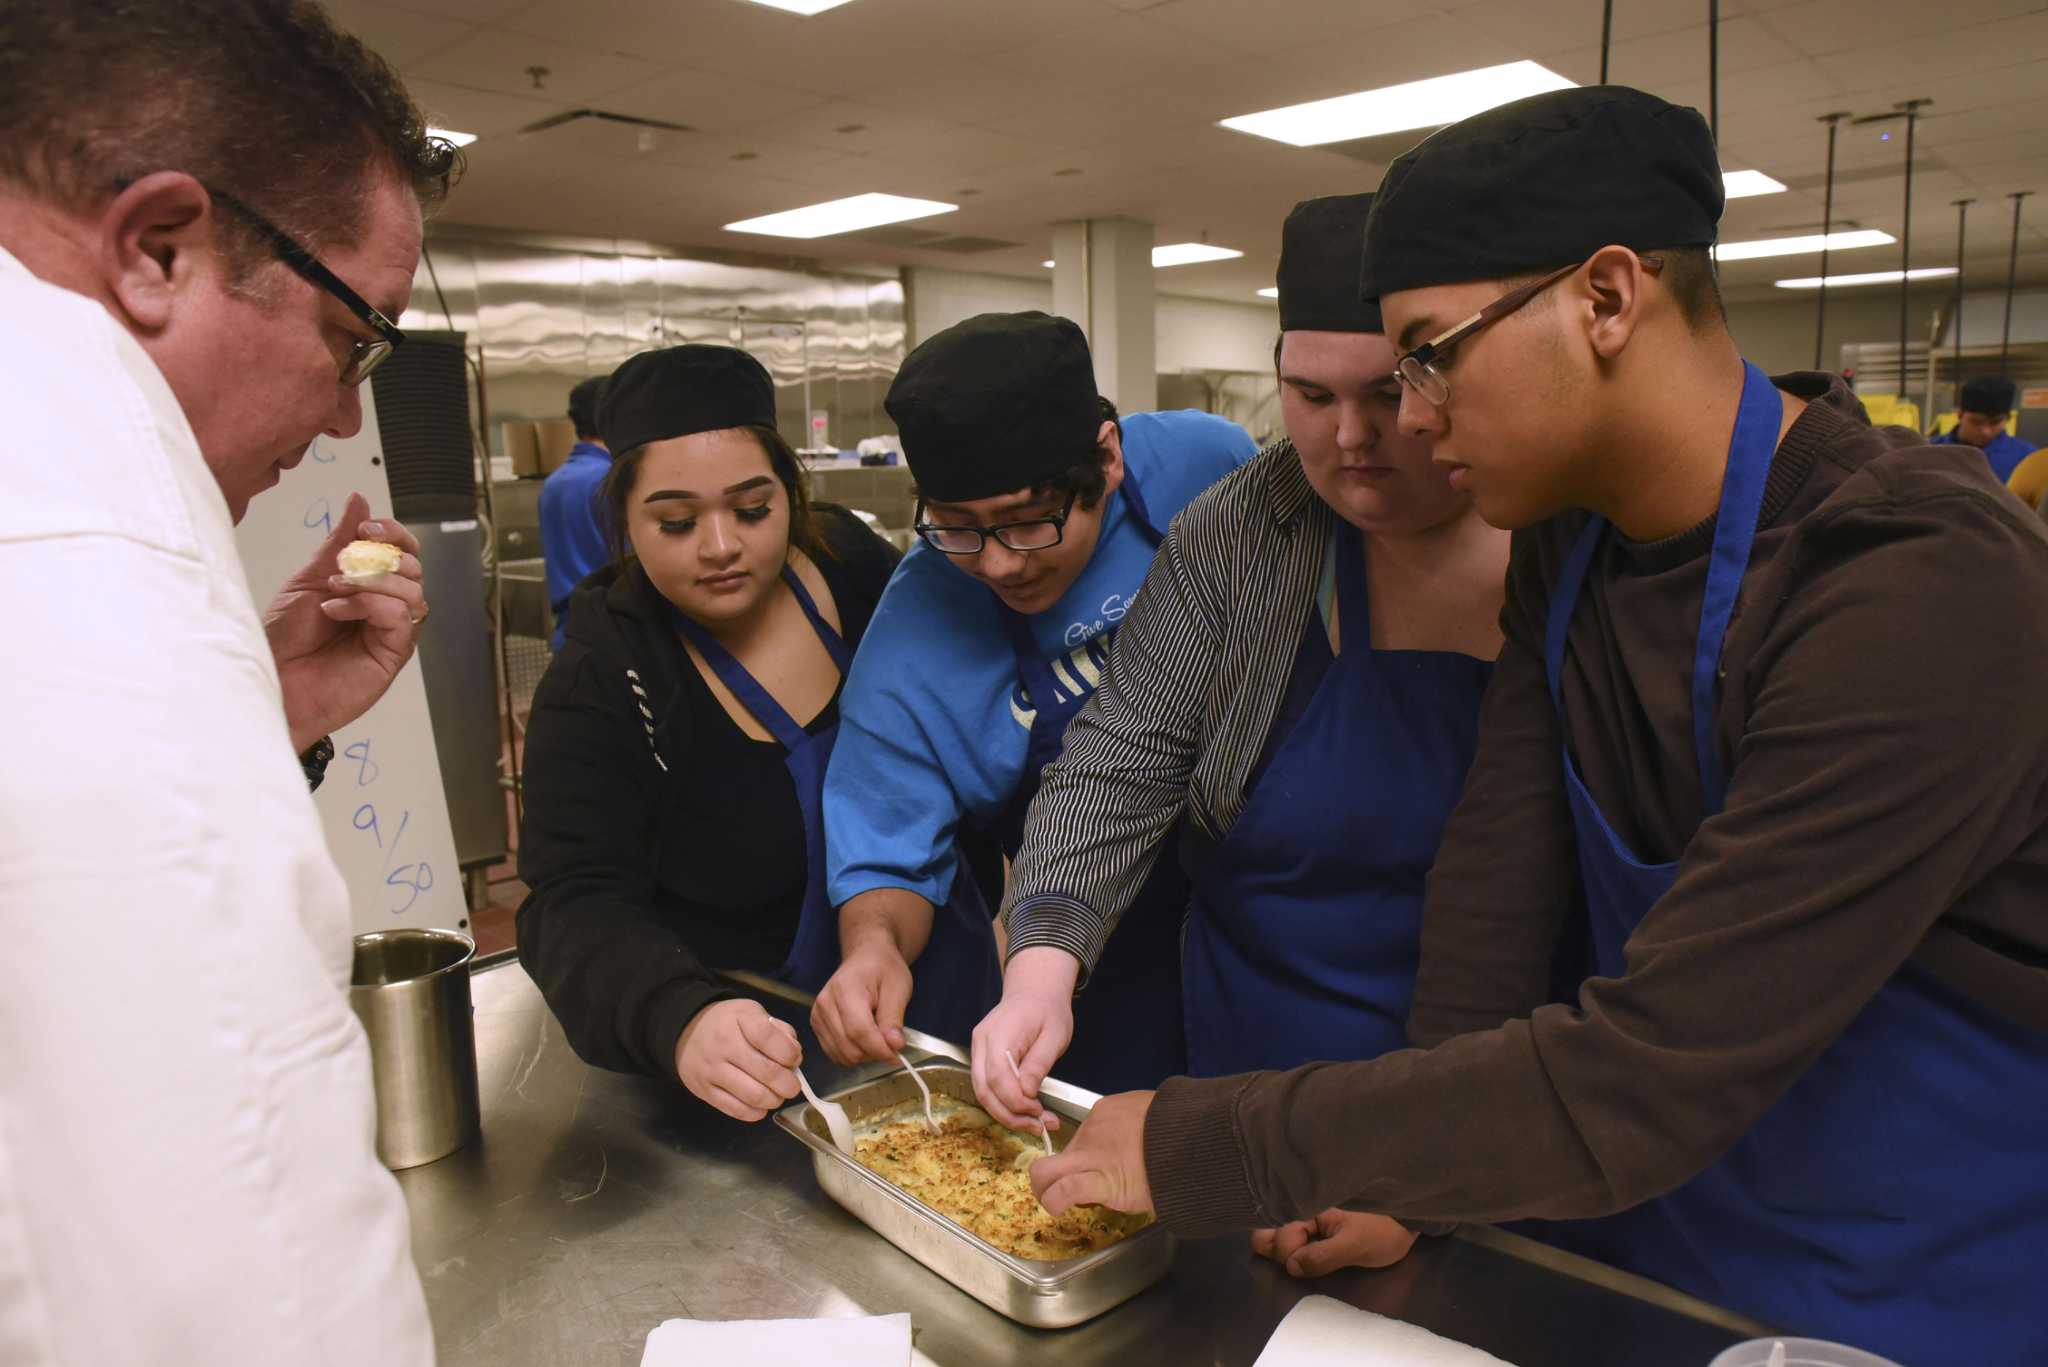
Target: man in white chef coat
(210,210)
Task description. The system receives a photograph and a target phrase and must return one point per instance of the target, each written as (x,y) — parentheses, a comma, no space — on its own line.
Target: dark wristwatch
(314,762)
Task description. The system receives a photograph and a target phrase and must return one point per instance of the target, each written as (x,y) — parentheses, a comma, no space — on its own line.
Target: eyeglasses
(1418,369)
(1036,534)
(365,354)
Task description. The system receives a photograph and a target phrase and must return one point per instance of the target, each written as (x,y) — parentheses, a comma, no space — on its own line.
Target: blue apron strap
(1563,599)
(756,699)
(835,646)
(1742,500)
(1353,605)
(1134,500)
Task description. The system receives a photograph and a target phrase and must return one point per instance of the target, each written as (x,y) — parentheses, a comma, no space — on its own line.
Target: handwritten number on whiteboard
(320,514)
(366,820)
(417,877)
(366,769)
(320,454)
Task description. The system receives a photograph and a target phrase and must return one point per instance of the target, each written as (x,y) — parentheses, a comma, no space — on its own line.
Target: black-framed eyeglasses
(1418,369)
(1033,534)
(365,354)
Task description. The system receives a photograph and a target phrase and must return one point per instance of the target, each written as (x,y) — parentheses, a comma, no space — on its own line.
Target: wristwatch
(314,762)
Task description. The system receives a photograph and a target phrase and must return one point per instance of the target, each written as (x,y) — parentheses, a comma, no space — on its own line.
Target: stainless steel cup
(410,989)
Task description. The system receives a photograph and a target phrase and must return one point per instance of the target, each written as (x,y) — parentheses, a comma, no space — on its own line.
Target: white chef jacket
(187,1174)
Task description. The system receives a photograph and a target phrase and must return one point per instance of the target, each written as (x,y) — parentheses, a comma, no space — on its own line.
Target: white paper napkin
(1321,1332)
(866,1341)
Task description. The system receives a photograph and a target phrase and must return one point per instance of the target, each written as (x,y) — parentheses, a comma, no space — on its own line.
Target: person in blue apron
(1039,512)
(675,759)
(1983,407)
(1757,720)
(1306,662)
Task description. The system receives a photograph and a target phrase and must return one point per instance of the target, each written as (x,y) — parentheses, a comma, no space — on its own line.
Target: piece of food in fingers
(364,561)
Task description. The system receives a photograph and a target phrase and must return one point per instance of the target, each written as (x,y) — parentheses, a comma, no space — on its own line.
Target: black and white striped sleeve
(1106,805)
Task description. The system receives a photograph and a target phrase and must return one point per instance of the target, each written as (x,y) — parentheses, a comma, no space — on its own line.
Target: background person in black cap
(1982,408)
(1299,682)
(677,749)
(1758,720)
(1039,517)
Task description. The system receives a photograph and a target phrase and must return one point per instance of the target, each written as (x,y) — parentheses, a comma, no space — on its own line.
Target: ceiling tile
(1395,54)
(496,59)
(399,36)
(710,100)
(1255,29)
(483,112)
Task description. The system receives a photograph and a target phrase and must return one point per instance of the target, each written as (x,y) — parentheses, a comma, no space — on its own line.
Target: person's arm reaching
(629,991)
(1865,800)
(1096,828)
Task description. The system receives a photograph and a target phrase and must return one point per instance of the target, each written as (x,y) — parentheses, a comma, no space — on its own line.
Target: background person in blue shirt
(1040,511)
(1981,413)
(573,540)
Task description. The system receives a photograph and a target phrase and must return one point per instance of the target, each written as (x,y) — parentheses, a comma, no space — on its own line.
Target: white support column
(1102,279)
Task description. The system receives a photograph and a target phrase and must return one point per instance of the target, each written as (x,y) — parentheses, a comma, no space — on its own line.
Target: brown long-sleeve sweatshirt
(1884,711)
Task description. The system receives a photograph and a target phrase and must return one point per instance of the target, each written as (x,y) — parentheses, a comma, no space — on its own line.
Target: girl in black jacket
(667,829)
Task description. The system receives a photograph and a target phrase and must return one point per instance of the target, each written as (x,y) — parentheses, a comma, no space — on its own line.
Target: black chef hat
(683,389)
(1001,402)
(1988,394)
(1321,249)
(1541,183)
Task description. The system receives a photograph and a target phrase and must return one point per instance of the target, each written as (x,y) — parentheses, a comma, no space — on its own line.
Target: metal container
(410,989)
(1045,1295)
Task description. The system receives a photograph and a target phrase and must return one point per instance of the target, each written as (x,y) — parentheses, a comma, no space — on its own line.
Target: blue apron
(1127,1024)
(1306,923)
(957,979)
(1895,1198)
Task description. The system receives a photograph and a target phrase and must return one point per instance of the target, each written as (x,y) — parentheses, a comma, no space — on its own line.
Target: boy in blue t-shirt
(1039,514)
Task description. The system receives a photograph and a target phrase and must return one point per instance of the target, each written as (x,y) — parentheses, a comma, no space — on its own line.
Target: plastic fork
(836,1122)
(1018,1073)
(931,1121)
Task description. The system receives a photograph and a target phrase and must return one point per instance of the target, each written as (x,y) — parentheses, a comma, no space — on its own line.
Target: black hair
(1086,479)
(266,99)
(583,404)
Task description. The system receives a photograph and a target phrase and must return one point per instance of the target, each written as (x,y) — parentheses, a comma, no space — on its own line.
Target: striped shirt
(1191,690)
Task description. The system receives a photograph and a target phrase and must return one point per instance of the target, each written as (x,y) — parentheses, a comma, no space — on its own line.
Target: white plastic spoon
(931,1121)
(835,1115)
(1018,1073)
(1777,1353)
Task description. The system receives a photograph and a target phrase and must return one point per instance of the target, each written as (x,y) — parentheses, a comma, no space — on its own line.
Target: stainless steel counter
(596,1205)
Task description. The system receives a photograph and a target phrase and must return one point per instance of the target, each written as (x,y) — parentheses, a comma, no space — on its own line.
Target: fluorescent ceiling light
(1743,184)
(803,7)
(1046,264)
(1270,292)
(1189,253)
(841,216)
(1795,246)
(1395,108)
(459,139)
(1835,282)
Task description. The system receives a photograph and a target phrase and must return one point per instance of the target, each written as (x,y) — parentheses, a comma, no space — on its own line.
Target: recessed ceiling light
(803,7)
(1046,264)
(1270,292)
(1394,108)
(1189,253)
(1835,282)
(1744,184)
(841,216)
(459,139)
(1795,246)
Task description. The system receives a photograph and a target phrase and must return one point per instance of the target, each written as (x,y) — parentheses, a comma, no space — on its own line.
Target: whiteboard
(381,804)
